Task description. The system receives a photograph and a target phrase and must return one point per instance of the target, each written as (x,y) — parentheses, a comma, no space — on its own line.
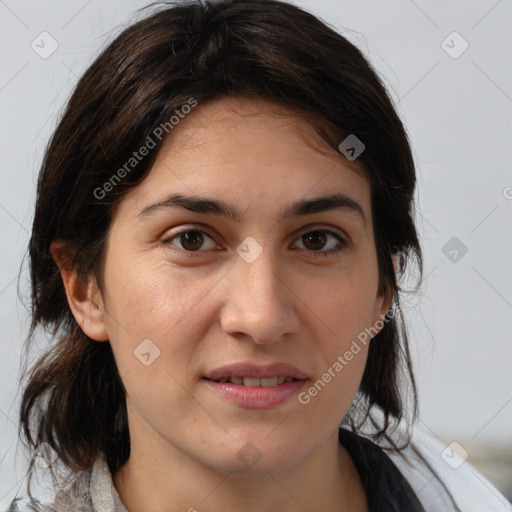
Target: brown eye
(315,240)
(191,240)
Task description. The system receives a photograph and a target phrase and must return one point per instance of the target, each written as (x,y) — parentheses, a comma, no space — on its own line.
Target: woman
(223,217)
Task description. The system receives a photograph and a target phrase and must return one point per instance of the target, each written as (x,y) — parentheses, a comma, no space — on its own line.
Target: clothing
(391,484)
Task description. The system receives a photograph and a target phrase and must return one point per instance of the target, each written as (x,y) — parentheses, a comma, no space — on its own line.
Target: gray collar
(104,495)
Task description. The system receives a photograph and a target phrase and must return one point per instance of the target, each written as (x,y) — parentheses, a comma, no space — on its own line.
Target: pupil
(194,240)
(312,237)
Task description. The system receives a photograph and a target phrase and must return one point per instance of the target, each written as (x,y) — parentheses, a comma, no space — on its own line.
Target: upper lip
(248,369)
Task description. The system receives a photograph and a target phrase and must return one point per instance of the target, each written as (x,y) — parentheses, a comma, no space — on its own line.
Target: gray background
(458,115)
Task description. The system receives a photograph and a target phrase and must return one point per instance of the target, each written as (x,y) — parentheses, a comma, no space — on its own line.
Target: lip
(247,369)
(257,397)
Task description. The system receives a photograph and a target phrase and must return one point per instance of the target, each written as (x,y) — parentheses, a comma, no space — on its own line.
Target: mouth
(254,382)
(250,374)
(250,386)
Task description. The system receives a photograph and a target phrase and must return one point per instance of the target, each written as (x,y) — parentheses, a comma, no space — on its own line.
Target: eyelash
(332,252)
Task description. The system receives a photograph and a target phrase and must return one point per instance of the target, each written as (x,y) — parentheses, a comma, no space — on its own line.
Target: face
(187,294)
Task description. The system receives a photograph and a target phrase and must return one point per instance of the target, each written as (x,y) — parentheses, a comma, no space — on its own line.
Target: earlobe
(382,315)
(82,293)
(388,302)
(394,256)
(385,302)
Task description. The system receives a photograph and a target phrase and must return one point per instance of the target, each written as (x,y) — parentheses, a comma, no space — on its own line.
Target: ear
(383,303)
(394,257)
(83,295)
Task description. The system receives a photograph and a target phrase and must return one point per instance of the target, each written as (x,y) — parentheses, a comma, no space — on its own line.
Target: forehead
(231,122)
(252,153)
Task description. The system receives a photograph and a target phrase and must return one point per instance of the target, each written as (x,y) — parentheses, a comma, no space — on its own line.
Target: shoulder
(75,498)
(436,472)
(27,504)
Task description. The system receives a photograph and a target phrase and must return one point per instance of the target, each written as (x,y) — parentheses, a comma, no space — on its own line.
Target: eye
(316,239)
(190,240)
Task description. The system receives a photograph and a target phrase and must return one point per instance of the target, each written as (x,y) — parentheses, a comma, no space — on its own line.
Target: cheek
(149,296)
(159,303)
(345,308)
(331,393)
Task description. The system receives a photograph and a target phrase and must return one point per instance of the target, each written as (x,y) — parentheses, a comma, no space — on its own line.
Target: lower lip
(257,397)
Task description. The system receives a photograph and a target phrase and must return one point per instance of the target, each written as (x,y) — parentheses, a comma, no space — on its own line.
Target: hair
(74,399)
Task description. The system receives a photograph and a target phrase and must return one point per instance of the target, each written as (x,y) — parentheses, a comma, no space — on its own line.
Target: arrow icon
(454,249)
(147,352)
(249,249)
(454,455)
(44,45)
(454,45)
(351,147)
(249,454)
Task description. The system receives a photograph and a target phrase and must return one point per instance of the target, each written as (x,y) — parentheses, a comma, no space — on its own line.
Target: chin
(260,456)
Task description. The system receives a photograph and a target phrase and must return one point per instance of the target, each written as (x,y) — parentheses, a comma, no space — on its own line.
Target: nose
(260,304)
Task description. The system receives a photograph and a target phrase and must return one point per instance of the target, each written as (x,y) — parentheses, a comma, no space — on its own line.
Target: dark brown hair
(74,399)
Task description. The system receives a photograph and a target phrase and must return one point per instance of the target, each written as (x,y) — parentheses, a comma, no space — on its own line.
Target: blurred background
(447,67)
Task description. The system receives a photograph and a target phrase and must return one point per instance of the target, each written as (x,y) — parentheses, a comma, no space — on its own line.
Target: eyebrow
(302,207)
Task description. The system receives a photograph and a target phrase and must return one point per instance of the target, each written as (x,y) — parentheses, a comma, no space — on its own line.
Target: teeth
(254,382)
(269,381)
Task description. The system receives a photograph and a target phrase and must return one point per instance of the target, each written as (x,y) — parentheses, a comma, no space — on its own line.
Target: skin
(212,307)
